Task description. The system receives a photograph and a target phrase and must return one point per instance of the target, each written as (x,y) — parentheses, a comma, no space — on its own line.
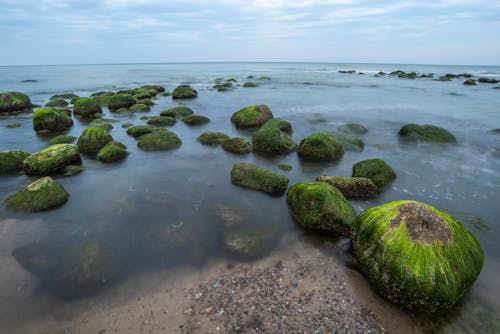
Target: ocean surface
(124,204)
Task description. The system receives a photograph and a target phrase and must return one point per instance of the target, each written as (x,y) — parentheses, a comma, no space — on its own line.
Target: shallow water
(126,204)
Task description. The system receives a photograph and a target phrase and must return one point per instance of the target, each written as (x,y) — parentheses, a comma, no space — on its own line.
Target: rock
(272,140)
(92,140)
(430,133)
(376,170)
(285,167)
(62,139)
(157,88)
(57,103)
(118,101)
(353,128)
(140,96)
(51,119)
(166,94)
(43,194)
(139,107)
(13,125)
(352,187)
(112,152)
(184,92)
(177,111)
(12,160)
(252,116)
(487,80)
(103,98)
(212,138)
(319,206)
(223,86)
(416,255)
(347,71)
(140,130)
(237,145)
(320,146)
(127,125)
(99,123)
(14,101)
(51,159)
(470,82)
(248,244)
(228,215)
(264,78)
(71,170)
(159,140)
(195,120)
(258,178)
(67,96)
(250,84)
(161,121)
(350,142)
(279,123)
(86,107)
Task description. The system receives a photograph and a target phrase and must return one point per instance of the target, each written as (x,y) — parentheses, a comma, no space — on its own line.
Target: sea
(126,204)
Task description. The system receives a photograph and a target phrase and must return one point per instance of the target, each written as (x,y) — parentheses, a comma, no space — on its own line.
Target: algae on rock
(258,178)
(43,194)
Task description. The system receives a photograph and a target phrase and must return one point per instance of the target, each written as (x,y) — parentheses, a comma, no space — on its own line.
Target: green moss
(161,121)
(67,96)
(195,120)
(57,103)
(237,145)
(320,146)
(272,140)
(51,119)
(177,111)
(278,123)
(139,107)
(319,206)
(147,102)
(140,130)
(127,125)
(62,139)
(426,132)
(43,194)
(12,160)
(252,116)
(14,101)
(212,138)
(248,244)
(285,167)
(51,159)
(416,255)
(159,140)
(221,87)
(376,170)
(13,125)
(250,84)
(264,78)
(350,142)
(103,98)
(86,107)
(118,101)
(354,128)
(157,88)
(184,92)
(92,140)
(352,187)
(258,178)
(112,152)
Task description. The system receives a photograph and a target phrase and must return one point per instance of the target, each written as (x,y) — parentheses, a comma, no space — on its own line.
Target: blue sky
(126,31)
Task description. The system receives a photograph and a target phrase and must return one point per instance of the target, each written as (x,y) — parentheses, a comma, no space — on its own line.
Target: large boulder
(118,101)
(12,160)
(14,101)
(86,107)
(319,206)
(112,152)
(184,92)
(92,140)
(252,116)
(237,145)
(159,140)
(376,170)
(177,111)
(258,178)
(352,187)
(272,140)
(416,255)
(279,123)
(43,194)
(51,119)
(212,138)
(320,146)
(426,132)
(52,159)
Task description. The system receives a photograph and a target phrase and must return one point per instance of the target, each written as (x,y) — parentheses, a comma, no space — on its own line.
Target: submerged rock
(252,116)
(470,82)
(376,170)
(184,92)
(118,101)
(195,120)
(35,258)
(320,146)
(159,140)
(112,152)
(161,121)
(14,101)
(51,159)
(51,119)
(352,187)
(249,244)
(278,123)
(350,142)
(250,85)
(92,140)
(258,178)
(228,215)
(86,107)
(12,160)
(140,130)
(177,111)
(212,138)
(139,107)
(416,255)
(68,96)
(237,145)
(13,125)
(56,103)
(426,132)
(43,194)
(272,140)
(354,128)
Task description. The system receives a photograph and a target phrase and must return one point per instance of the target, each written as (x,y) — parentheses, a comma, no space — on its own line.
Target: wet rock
(426,132)
(496,152)
(12,160)
(67,96)
(237,145)
(278,123)
(177,111)
(14,101)
(159,140)
(250,85)
(51,119)
(103,98)
(112,152)
(51,159)
(252,116)
(139,130)
(157,88)
(248,244)
(99,123)
(139,107)
(142,95)
(258,178)
(86,107)
(184,92)
(272,140)
(118,101)
(57,103)
(487,80)
(92,140)
(161,121)
(195,120)
(470,82)
(352,187)
(320,146)
(212,138)
(376,170)
(354,128)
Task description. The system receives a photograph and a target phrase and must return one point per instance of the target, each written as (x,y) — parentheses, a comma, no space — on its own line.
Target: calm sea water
(125,204)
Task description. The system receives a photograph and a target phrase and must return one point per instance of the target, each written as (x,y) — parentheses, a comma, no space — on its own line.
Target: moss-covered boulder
(43,194)
(161,121)
(14,101)
(12,160)
(415,255)
(252,116)
(92,140)
(56,103)
(272,140)
(184,92)
(349,141)
(177,111)
(140,130)
(258,178)
(86,107)
(222,87)
(142,95)
(66,96)
(353,128)
(157,88)
(159,140)
(112,152)
(139,107)
(248,244)
(212,138)
(320,146)
(195,120)
(250,85)
(319,206)
(52,159)
(51,119)
(118,101)
(278,123)
(103,98)
(237,145)
(352,187)
(426,132)
(376,170)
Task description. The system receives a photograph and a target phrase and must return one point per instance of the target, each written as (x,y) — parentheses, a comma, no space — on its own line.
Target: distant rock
(470,82)
(118,101)
(161,121)
(487,80)
(279,123)
(195,120)
(139,130)
(177,111)
(184,92)
(57,103)
(272,140)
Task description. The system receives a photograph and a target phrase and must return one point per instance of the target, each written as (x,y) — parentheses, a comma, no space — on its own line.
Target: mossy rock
(139,130)
(272,140)
(250,85)
(105,93)
(43,194)
(376,170)
(127,125)
(118,101)
(159,140)
(161,121)
(353,128)
(51,159)
(177,111)
(352,187)
(285,167)
(102,125)
(319,206)
(14,101)
(112,152)
(470,82)
(139,107)
(13,125)
(184,92)
(51,119)
(228,215)
(86,107)
(92,140)
(67,96)
(157,88)
(248,244)
(426,132)
(320,146)
(237,145)
(140,96)
(212,138)
(56,103)
(350,142)
(12,160)
(222,87)
(415,255)
(103,97)
(258,178)
(195,120)
(278,123)
(62,139)
(166,94)
(252,116)
(147,102)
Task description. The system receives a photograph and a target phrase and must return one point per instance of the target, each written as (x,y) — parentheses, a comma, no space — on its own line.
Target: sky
(460,32)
